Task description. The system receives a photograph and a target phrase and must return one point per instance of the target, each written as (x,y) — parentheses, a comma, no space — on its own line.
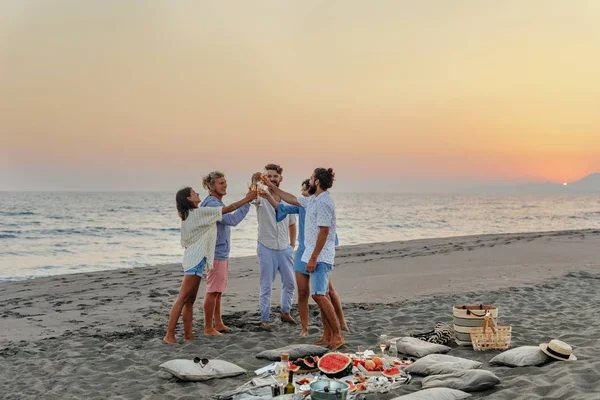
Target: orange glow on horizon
(408,90)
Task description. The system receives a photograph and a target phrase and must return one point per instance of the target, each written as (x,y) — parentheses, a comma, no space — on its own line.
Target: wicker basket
(494,338)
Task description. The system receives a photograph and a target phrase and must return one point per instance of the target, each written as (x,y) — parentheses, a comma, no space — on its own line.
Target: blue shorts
(300,266)
(197,270)
(319,279)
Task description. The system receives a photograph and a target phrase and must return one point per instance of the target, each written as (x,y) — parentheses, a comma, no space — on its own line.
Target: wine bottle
(290,388)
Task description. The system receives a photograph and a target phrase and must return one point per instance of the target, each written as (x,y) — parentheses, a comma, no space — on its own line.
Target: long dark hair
(183,204)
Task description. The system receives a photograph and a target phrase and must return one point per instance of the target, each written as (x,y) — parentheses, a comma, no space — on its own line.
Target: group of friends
(206,236)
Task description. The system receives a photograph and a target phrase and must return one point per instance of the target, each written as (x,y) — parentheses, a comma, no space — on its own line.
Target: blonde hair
(209,180)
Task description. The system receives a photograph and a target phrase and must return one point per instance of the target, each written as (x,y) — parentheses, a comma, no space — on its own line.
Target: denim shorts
(300,266)
(197,270)
(319,279)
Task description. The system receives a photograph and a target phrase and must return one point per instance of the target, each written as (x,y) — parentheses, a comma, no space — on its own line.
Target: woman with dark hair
(199,238)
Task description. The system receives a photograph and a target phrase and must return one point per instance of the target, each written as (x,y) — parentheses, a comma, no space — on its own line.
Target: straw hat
(558,350)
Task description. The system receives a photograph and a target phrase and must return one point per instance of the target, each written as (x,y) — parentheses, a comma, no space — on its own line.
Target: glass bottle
(393,351)
(290,388)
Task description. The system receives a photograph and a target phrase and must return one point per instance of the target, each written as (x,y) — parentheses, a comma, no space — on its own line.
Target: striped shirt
(199,236)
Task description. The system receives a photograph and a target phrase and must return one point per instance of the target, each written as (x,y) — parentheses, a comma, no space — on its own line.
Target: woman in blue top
(303,277)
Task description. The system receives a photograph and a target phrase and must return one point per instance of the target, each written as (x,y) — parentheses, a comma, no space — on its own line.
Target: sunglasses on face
(201,361)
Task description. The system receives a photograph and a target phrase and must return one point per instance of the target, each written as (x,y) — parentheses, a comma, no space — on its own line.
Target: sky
(394,95)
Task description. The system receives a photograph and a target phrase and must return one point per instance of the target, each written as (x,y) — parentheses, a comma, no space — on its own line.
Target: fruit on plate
(377,361)
(309,362)
(370,365)
(293,366)
(335,365)
(391,372)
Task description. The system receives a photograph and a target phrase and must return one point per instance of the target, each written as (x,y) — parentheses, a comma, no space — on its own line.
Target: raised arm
(231,219)
(267,196)
(251,195)
(283,210)
(285,196)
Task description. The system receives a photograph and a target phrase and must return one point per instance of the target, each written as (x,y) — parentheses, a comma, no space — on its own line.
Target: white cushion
(521,357)
(295,351)
(419,348)
(437,364)
(471,380)
(188,370)
(435,394)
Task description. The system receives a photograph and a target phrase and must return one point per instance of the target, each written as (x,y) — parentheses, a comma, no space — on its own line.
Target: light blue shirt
(224,227)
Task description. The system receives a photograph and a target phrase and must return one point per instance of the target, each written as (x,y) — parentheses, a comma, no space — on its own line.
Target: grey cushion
(521,357)
(435,394)
(437,364)
(295,351)
(188,370)
(419,348)
(471,380)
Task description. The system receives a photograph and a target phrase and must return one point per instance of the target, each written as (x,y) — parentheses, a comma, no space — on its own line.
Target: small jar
(393,351)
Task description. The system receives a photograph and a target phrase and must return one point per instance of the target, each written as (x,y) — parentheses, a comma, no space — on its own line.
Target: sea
(44,234)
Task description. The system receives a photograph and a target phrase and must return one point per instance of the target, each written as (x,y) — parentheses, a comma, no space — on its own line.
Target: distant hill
(589,184)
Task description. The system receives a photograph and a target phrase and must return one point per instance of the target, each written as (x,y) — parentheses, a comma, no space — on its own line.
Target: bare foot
(287,317)
(334,345)
(322,341)
(223,328)
(212,332)
(345,328)
(303,332)
(189,339)
(170,339)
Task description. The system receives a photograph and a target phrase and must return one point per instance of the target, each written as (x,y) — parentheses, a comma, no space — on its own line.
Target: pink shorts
(216,278)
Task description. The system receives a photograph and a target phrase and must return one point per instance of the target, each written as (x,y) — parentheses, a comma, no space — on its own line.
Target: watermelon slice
(335,365)
(309,362)
(293,367)
(391,372)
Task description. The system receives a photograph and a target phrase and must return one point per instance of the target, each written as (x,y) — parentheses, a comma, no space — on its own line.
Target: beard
(312,189)
(275,182)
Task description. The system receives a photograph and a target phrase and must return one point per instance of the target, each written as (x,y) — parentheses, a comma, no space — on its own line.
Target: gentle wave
(71,232)
(16,213)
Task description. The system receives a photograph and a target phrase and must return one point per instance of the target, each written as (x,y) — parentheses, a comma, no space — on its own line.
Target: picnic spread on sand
(303,371)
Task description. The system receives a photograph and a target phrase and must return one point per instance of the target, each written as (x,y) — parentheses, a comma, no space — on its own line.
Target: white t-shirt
(199,236)
(320,211)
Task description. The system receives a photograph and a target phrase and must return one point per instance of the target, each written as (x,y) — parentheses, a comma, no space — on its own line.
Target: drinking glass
(360,352)
(383,343)
(254,186)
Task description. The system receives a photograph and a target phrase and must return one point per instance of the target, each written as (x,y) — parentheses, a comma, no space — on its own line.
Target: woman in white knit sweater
(199,238)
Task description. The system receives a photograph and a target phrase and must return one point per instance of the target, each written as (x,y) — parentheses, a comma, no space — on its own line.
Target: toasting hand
(251,195)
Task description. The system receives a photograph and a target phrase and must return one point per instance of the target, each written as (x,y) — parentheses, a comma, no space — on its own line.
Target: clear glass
(254,186)
(383,343)
(360,351)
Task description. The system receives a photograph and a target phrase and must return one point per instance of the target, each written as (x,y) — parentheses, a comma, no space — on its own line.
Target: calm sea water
(45,234)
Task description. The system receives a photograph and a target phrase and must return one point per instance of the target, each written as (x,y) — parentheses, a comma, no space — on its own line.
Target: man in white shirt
(319,240)
(276,242)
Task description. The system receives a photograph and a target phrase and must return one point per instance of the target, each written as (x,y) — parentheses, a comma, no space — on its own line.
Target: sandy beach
(98,335)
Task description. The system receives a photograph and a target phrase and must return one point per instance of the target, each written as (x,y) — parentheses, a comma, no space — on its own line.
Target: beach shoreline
(98,335)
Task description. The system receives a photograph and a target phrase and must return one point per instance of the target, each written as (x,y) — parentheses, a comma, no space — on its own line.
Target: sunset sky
(394,95)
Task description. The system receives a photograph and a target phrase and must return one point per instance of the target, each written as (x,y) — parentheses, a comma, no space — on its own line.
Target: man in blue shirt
(216,278)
